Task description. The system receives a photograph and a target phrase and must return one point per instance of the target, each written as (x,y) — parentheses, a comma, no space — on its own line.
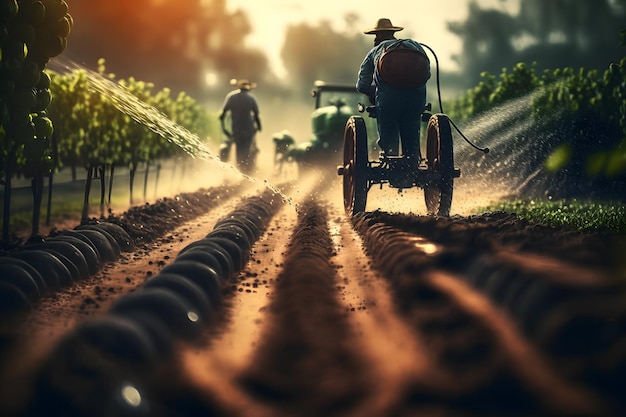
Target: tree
(487,42)
(555,34)
(319,52)
(169,43)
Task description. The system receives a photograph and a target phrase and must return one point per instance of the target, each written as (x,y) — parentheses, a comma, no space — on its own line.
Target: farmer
(399,95)
(244,121)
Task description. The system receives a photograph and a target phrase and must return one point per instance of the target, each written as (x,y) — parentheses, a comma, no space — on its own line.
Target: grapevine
(592,104)
(31,32)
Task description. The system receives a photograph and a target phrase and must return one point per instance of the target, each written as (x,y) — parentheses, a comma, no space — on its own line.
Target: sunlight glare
(210,78)
(424,245)
(131,395)
(270,19)
(193,316)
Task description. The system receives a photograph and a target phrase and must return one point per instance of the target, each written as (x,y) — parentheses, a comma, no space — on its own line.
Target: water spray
(159,123)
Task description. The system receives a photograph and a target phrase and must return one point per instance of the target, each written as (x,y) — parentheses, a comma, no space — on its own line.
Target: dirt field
(389,313)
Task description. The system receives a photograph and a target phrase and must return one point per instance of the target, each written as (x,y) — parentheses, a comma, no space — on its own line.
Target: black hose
(436,73)
(485,150)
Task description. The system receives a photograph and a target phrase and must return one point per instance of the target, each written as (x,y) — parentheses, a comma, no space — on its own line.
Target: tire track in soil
(210,369)
(379,339)
(482,362)
(305,364)
(393,353)
(254,287)
(379,315)
(57,314)
(212,366)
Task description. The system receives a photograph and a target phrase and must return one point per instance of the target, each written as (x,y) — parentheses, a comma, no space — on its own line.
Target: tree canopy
(170,43)
(559,33)
(320,52)
(175,44)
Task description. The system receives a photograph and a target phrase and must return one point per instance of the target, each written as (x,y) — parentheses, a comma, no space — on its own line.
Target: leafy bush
(576,118)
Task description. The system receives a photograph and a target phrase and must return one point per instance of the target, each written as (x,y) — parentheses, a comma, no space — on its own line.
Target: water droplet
(131,395)
(193,316)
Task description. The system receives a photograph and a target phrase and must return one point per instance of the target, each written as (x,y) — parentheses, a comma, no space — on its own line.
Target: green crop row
(586,216)
(31,32)
(91,130)
(591,103)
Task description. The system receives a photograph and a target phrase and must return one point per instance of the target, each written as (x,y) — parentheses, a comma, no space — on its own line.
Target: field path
(382,314)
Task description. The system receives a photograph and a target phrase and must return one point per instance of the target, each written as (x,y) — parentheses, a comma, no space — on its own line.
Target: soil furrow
(472,363)
(395,356)
(564,298)
(92,298)
(305,360)
(304,311)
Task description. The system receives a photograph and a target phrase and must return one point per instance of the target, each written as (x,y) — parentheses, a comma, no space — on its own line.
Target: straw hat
(243,84)
(383,25)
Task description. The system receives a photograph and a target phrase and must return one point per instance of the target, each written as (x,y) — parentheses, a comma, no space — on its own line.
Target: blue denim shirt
(369,80)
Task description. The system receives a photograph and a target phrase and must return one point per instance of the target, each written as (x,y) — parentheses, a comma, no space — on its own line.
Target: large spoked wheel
(355,162)
(440,160)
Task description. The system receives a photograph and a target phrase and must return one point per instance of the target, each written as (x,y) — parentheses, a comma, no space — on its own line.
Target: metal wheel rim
(355,166)
(438,191)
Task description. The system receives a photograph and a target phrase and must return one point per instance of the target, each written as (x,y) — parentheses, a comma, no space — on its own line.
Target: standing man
(393,75)
(245,122)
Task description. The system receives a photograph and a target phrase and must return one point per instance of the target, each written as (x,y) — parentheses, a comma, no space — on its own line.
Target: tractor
(334,105)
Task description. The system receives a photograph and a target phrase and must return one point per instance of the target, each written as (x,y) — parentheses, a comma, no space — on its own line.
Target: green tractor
(334,104)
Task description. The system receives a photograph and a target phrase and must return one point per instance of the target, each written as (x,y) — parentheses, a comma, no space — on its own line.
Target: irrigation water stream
(159,123)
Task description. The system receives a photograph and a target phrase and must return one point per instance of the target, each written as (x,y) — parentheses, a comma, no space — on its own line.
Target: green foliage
(92,131)
(584,30)
(590,103)
(595,103)
(32,32)
(492,91)
(597,217)
(559,158)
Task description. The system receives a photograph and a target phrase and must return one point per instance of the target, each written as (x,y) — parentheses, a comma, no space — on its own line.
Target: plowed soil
(388,313)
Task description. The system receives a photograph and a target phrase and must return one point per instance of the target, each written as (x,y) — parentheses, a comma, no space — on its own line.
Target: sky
(424,21)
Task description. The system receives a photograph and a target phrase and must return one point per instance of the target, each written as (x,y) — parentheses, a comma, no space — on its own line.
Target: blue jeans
(399,120)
